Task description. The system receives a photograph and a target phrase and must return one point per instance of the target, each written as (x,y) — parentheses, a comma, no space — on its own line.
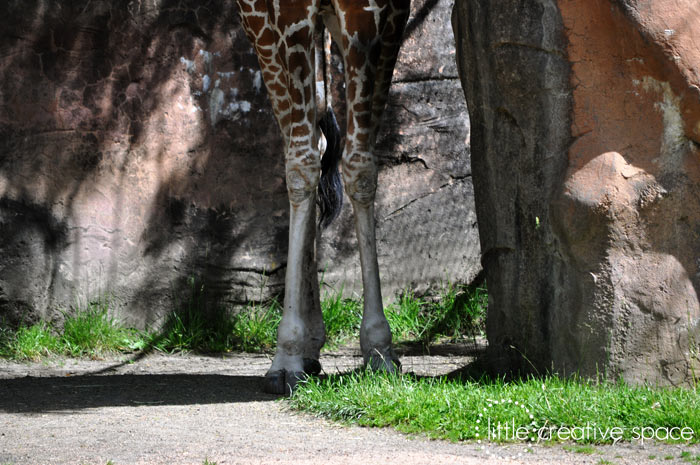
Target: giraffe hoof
(273,383)
(389,363)
(282,382)
(312,367)
(391,366)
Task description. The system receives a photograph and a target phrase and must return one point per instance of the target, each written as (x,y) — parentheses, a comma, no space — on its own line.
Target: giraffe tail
(330,188)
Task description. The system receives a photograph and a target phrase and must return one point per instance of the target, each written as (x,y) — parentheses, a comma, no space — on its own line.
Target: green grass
(689,457)
(88,332)
(253,329)
(342,317)
(91,331)
(456,313)
(464,410)
(30,343)
(587,450)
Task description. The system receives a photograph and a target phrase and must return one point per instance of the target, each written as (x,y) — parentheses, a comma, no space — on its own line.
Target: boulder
(586,159)
(140,163)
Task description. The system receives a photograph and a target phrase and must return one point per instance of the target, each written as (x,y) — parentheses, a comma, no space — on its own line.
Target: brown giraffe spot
(267,36)
(299,131)
(255,23)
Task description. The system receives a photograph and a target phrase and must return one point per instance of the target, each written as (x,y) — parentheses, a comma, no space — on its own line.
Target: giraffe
(368,34)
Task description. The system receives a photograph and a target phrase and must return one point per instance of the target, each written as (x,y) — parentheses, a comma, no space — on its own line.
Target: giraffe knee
(362,187)
(301,184)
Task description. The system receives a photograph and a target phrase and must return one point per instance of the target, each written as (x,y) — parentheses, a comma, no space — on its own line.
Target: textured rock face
(139,159)
(585,118)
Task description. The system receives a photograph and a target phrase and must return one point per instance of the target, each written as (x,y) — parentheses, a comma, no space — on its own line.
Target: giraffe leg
(375,334)
(368,67)
(301,333)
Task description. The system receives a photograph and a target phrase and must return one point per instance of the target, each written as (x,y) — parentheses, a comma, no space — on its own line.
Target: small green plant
(457,312)
(409,318)
(588,450)
(255,328)
(87,331)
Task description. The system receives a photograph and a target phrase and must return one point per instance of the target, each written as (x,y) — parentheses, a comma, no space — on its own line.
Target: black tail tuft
(330,189)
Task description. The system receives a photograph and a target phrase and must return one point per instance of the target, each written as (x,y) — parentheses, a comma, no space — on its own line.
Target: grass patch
(253,329)
(689,457)
(472,410)
(342,318)
(30,343)
(458,312)
(587,450)
(92,332)
(88,332)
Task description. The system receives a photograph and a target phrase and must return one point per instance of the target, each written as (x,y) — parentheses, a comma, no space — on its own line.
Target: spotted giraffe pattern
(368,34)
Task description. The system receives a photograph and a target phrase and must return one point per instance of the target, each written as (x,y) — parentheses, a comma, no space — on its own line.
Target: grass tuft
(253,329)
(456,313)
(30,343)
(93,332)
(88,332)
(342,318)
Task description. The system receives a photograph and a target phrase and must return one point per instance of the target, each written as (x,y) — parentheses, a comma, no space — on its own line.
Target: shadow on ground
(155,379)
(67,394)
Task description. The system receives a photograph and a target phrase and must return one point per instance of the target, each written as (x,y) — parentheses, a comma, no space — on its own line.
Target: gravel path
(165,409)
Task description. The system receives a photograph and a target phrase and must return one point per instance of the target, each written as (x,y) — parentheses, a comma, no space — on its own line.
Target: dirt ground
(185,409)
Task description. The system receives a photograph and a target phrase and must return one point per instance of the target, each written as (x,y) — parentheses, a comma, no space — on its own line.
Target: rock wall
(586,156)
(140,162)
